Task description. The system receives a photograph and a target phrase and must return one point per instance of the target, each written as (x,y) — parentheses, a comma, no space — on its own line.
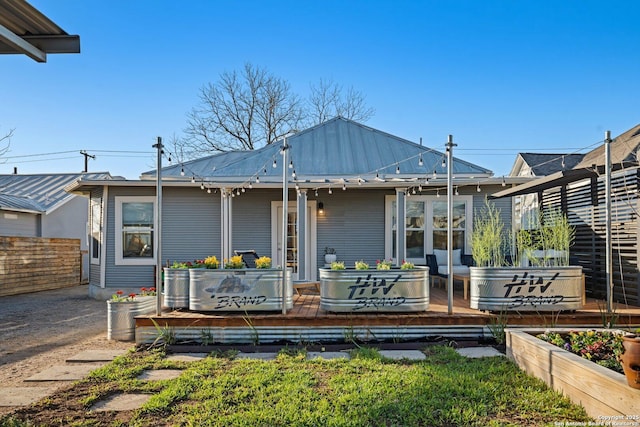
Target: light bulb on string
(438,192)
(504,183)
(456,193)
(330,192)
(420,162)
(413,191)
(208,190)
(238,192)
(250,185)
(420,188)
(274,164)
(182,171)
(291,164)
(434,174)
(397,169)
(202,185)
(293,173)
(478,188)
(344,187)
(297,187)
(193,179)
(316,192)
(257,179)
(264,171)
(243,190)
(444,163)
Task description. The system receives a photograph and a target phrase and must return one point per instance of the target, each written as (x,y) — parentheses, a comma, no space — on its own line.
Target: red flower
(119,292)
(132,295)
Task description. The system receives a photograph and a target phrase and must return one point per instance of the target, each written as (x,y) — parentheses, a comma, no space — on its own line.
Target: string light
(274,164)
(420,188)
(291,164)
(208,190)
(478,188)
(420,162)
(250,185)
(193,179)
(413,191)
(397,169)
(438,192)
(316,192)
(238,192)
(257,179)
(456,193)
(444,163)
(344,187)
(330,192)
(434,174)
(293,174)
(562,162)
(182,171)
(243,190)
(504,183)
(202,185)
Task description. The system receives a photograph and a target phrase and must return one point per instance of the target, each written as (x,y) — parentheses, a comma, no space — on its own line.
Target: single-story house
(351,182)
(580,192)
(36,205)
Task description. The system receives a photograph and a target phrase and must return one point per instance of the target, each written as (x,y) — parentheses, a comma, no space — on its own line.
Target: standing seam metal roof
(336,148)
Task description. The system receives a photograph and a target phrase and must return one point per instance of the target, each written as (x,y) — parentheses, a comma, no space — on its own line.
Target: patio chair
(249,257)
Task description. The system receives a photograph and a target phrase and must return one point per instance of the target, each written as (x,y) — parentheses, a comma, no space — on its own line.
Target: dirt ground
(42,329)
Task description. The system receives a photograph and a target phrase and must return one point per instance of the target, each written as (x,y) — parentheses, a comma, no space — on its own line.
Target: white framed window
(95,230)
(134,230)
(426,225)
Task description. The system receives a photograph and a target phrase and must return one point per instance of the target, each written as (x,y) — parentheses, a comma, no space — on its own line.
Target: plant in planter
(384,264)
(211,262)
(235,262)
(498,286)
(329,255)
(337,265)
(630,359)
(361,265)
(123,308)
(407,265)
(263,262)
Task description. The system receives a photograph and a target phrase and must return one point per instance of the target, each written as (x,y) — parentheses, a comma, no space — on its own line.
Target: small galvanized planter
(526,288)
(176,287)
(121,324)
(241,290)
(363,291)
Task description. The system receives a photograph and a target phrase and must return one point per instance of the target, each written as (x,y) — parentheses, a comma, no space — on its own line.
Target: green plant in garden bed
(446,389)
(601,347)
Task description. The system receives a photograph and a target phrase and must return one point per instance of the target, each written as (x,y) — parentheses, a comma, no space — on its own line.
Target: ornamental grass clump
(548,240)
(263,262)
(489,240)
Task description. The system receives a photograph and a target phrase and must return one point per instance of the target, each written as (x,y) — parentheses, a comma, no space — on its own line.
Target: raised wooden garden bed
(604,393)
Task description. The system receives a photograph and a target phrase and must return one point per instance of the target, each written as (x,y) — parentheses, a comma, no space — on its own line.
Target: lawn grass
(446,389)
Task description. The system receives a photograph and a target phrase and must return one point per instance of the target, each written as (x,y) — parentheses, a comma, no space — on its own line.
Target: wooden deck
(306,318)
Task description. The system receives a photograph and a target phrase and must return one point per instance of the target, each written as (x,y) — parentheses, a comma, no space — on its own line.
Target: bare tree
(5,142)
(242,111)
(328,99)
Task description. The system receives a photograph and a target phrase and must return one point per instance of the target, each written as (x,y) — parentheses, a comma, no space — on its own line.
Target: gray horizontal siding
(251,214)
(25,225)
(94,269)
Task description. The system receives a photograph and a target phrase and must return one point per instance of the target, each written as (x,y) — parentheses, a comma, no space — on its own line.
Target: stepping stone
(22,396)
(476,352)
(327,355)
(121,402)
(160,374)
(65,372)
(259,356)
(403,354)
(187,357)
(96,356)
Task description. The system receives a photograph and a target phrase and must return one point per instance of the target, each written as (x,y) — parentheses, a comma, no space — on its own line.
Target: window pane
(95,229)
(440,215)
(415,215)
(137,214)
(415,244)
(138,243)
(440,239)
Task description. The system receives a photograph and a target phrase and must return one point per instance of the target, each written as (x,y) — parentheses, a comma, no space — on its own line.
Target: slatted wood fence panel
(585,205)
(31,264)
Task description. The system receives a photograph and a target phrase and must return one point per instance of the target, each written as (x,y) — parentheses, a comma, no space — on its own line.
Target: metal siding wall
(26,225)
(190,224)
(124,275)
(353,224)
(252,220)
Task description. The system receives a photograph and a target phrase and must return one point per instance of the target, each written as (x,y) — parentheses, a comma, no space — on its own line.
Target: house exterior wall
(19,224)
(95,266)
(251,228)
(70,221)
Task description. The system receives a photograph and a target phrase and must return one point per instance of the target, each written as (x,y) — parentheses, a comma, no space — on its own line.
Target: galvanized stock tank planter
(241,290)
(526,288)
(176,287)
(363,291)
(121,323)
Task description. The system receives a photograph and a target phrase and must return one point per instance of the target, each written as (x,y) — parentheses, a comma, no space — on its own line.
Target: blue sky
(500,76)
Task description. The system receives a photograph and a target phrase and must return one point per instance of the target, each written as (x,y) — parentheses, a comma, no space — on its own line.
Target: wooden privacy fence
(31,264)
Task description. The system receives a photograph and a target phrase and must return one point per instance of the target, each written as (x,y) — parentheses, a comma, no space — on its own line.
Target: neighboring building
(580,192)
(351,181)
(536,165)
(38,206)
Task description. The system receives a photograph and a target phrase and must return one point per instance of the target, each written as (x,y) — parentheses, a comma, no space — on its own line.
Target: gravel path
(42,329)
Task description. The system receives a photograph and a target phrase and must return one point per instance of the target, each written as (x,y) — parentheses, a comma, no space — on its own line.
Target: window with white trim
(426,225)
(95,228)
(135,227)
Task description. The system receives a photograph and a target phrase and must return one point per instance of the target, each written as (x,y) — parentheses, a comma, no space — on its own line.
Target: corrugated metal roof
(337,148)
(39,193)
(24,29)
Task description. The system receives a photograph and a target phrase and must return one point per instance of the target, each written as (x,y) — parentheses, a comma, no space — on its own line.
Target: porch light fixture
(321,208)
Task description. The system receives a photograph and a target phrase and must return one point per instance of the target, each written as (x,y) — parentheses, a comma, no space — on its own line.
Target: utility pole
(86,159)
